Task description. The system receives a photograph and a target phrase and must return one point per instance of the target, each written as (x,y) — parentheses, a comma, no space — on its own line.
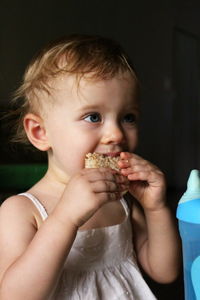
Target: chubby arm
(32,258)
(156,236)
(157,244)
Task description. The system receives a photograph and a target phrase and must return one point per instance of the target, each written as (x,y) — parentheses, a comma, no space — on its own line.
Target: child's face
(96,116)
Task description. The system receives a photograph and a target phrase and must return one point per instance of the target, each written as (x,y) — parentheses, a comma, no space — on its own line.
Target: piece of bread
(96,160)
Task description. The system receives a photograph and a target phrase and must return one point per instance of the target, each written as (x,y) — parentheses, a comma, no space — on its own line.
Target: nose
(113,134)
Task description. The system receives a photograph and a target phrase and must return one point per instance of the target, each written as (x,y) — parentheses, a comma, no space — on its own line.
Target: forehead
(71,100)
(67,87)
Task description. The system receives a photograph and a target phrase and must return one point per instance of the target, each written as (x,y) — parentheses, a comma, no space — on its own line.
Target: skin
(99,116)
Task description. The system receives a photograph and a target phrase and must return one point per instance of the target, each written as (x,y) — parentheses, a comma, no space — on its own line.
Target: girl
(72,235)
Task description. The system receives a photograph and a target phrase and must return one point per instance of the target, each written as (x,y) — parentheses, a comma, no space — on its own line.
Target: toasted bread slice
(96,160)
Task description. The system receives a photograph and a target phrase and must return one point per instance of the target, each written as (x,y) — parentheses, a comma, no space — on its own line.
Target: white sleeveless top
(101,264)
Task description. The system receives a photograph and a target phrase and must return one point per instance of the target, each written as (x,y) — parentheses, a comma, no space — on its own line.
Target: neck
(48,190)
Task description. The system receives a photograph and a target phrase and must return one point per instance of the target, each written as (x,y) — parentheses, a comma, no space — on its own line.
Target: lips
(112,154)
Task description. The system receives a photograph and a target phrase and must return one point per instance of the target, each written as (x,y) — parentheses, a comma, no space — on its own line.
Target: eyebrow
(89,107)
(92,108)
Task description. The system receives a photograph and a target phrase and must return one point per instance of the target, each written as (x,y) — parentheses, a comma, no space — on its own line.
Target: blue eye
(93,118)
(130,118)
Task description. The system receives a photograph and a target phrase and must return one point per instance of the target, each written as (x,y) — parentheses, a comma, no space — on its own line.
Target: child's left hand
(147,182)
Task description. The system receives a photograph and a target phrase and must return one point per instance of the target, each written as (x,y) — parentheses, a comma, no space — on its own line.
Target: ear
(35,130)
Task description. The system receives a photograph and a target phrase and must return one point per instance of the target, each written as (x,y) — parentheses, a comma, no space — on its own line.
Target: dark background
(163,40)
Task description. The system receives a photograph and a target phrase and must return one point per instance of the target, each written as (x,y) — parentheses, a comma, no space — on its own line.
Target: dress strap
(125,206)
(37,204)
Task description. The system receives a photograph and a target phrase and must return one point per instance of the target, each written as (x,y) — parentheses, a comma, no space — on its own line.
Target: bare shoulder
(14,201)
(18,208)
(17,218)
(17,229)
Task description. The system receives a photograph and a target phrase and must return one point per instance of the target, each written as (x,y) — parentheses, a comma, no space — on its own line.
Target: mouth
(112,154)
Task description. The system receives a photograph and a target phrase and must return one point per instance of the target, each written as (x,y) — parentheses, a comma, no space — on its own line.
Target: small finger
(105,186)
(107,197)
(114,196)
(125,163)
(126,171)
(100,174)
(149,176)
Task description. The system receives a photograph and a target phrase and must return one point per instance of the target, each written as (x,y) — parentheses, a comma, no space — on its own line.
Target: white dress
(101,264)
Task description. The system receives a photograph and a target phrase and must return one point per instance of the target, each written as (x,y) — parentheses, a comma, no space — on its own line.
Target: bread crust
(96,160)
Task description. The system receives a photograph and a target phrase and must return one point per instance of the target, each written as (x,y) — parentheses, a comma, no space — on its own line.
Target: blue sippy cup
(188,214)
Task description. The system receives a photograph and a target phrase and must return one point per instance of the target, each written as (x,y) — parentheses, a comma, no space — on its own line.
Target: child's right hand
(87,191)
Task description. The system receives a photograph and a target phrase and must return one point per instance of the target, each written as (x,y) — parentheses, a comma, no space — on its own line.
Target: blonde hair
(79,55)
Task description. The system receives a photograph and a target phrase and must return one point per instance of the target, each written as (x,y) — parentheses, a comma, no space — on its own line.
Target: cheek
(69,159)
(73,151)
(133,140)
(70,147)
